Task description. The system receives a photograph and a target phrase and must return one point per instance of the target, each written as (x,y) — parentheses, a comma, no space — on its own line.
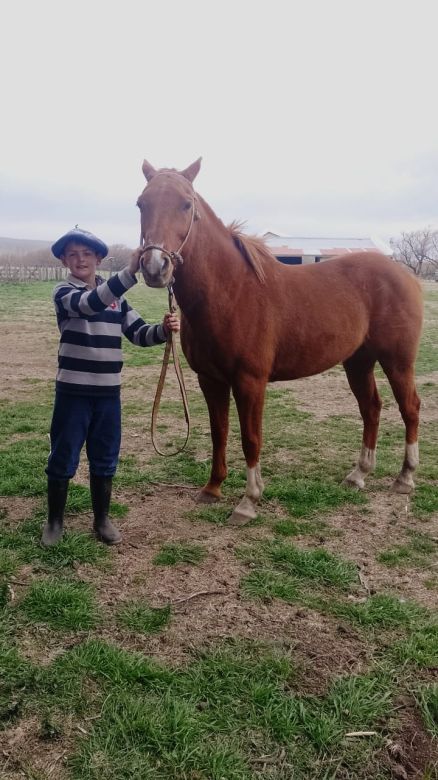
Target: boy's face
(81,261)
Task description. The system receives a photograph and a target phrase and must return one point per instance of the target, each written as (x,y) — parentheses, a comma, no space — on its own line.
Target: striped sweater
(91,322)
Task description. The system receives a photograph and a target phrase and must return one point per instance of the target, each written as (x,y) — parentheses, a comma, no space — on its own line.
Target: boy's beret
(82,237)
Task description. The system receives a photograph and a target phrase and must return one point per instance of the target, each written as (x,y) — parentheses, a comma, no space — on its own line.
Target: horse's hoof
(243,513)
(402,488)
(206,498)
(238,519)
(356,483)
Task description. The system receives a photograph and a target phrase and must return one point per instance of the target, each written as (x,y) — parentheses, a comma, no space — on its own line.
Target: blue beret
(82,237)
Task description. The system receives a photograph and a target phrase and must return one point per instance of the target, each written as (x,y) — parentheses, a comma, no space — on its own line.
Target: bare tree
(418,250)
(119,256)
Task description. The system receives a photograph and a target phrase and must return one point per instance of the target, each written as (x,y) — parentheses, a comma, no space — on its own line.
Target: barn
(298,250)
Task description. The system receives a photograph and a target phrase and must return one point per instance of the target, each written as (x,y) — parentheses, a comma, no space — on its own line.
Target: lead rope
(171,345)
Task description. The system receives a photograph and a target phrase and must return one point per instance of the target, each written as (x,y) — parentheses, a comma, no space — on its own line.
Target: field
(302,646)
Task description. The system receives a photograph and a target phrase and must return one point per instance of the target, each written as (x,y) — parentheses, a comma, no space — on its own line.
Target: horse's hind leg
(403,387)
(360,374)
(217,396)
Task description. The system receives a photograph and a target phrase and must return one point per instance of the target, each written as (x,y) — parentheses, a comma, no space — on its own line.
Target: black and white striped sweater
(91,322)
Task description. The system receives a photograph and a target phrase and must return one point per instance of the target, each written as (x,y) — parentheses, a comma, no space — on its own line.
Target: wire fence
(38,273)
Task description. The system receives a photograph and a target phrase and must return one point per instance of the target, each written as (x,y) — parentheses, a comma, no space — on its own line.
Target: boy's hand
(134,265)
(171,323)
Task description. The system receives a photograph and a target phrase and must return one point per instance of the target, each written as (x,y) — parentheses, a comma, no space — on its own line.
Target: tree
(418,250)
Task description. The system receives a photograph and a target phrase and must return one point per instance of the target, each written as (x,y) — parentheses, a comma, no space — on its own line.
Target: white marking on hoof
(412,456)
(366,463)
(244,512)
(405,480)
(403,486)
(354,479)
(254,483)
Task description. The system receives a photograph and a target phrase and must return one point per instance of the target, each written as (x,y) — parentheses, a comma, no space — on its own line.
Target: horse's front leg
(217,396)
(249,394)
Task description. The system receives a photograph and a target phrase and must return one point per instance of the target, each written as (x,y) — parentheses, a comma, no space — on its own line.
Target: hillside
(21,245)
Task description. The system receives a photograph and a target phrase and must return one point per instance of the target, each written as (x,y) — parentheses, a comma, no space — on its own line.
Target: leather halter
(175,257)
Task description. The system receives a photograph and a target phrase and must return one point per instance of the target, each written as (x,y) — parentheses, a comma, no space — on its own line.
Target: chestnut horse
(247,319)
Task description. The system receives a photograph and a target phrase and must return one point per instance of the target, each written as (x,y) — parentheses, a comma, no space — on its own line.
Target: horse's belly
(296,360)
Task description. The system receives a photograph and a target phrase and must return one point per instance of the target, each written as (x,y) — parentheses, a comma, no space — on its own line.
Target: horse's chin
(154,281)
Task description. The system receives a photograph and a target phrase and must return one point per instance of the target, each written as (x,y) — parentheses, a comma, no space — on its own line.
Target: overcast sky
(313,118)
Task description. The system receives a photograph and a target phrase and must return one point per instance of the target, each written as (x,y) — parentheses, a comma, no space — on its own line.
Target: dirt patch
(363,536)
(16,508)
(411,754)
(25,753)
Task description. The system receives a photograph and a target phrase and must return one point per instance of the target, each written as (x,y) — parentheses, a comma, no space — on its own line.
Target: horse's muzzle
(157,268)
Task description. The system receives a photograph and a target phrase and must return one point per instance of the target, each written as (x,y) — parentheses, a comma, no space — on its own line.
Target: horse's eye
(187,205)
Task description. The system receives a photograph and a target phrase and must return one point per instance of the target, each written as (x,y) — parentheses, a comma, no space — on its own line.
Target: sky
(313,118)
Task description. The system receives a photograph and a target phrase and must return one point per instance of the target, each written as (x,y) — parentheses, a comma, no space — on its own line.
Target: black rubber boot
(100,498)
(57,490)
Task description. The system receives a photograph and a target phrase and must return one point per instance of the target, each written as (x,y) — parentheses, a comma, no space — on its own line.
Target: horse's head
(168,211)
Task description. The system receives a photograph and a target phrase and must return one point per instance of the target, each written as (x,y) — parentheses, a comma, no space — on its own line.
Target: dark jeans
(79,419)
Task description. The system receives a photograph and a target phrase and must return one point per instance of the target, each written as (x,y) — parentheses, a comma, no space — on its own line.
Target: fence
(38,273)
(32,273)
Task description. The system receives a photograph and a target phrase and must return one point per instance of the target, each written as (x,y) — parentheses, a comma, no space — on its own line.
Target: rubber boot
(100,498)
(57,490)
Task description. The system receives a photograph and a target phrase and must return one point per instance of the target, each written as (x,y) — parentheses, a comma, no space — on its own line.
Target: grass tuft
(319,565)
(143,618)
(61,605)
(172,554)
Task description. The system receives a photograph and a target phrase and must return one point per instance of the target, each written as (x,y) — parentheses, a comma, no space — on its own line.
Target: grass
(143,618)
(228,708)
(61,605)
(22,546)
(417,551)
(306,497)
(427,700)
(317,566)
(172,554)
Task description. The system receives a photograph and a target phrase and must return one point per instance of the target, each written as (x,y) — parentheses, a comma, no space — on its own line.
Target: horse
(247,319)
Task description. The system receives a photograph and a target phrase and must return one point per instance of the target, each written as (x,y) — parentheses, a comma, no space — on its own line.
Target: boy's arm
(139,332)
(85,303)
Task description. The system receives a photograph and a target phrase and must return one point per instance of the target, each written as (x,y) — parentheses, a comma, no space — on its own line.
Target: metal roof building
(297,250)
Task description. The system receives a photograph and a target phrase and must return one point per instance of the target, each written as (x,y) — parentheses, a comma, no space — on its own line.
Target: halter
(176,258)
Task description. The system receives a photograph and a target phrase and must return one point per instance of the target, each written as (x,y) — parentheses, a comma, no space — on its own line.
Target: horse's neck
(212,268)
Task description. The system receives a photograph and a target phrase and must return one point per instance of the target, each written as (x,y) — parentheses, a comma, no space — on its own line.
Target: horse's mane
(253,249)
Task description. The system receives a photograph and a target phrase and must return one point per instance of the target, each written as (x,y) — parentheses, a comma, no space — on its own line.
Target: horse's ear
(192,171)
(148,170)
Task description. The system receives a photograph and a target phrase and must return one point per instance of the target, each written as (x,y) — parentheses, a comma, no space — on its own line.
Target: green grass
(416,552)
(23,545)
(317,566)
(306,497)
(142,618)
(172,554)
(61,605)
(226,705)
(425,500)
(296,528)
(380,610)
(427,700)
(214,717)
(217,514)
(420,647)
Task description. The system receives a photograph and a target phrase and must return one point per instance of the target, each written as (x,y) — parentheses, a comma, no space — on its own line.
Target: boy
(92,315)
